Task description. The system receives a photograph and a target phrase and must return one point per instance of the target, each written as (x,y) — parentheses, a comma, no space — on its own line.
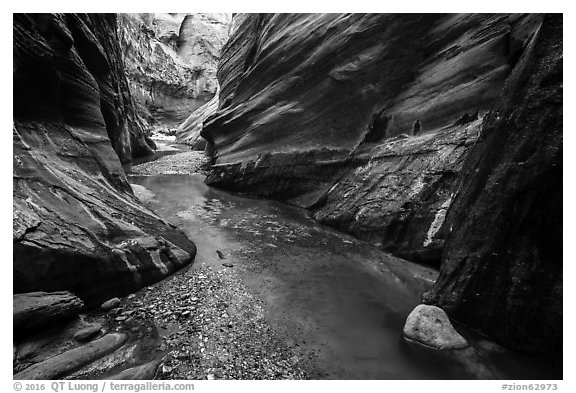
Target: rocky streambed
(443,147)
(272,295)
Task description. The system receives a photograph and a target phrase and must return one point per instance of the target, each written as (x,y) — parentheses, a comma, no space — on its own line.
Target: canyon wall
(502,262)
(171,62)
(189,132)
(76,224)
(364,119)
(367,120)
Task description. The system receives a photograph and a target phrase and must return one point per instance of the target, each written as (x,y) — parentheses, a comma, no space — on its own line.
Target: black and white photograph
(286,196)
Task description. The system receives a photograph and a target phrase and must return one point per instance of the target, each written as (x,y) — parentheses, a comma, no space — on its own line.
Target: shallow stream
(340,301)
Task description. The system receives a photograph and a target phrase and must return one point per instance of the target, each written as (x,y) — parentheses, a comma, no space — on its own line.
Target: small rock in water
(144,371)
(87,333)
(429,325)
(228,265)
(110,304)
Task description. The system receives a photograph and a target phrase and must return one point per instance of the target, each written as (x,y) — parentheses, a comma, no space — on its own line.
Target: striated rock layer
(171,61)
(189,131)
(364,118)
(76,224)
(368,119)
(502,263)
(36,310)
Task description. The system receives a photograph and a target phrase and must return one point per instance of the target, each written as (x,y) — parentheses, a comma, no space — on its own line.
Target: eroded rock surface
(364,118)
(69,361)
(37,309)
(76,224)
(367,120)
(430,326)
(145,371)
(87,333)
(502,264)
(171,61)
(189,131)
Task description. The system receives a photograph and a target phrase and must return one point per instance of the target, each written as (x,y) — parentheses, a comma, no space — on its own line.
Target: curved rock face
(430,326)
(171,61)
(35,310)
(363,118)
(201,38)
(76,224)
(189,131)
(502,264)
(112,106)
(367,120)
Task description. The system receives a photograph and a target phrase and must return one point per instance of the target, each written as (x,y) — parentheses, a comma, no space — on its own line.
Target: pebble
(110,304)
(87,333)
(212,316)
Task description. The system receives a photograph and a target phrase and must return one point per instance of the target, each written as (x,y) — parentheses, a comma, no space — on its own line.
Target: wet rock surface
(502,265)
(388,127)
(110,304)
(368,121)
(36,310)
(367,118)
(146,371)
(172,160)
(87,333)
(171,62)
(335,303)
(76,224)
(69,361)
(272,295)
(213,328)
(189,131)
(430,326)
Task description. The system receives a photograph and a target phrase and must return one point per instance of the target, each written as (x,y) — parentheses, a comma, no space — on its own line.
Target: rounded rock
(430,326)
(110,304)
(87,333)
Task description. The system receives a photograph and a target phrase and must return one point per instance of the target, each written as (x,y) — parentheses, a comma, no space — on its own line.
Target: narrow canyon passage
(287,196)
(338,303)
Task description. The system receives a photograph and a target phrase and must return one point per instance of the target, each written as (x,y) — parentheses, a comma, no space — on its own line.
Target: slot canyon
(287,196)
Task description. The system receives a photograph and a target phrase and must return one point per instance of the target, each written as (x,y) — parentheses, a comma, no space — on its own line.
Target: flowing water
(337,299)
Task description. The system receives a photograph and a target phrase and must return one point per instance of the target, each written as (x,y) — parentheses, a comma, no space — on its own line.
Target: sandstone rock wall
(189,131)
(76,224)
(502,263)
(171,61)
(363,118)
(369,121)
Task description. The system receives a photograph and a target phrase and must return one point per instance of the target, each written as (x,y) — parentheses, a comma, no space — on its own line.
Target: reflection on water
(332,296)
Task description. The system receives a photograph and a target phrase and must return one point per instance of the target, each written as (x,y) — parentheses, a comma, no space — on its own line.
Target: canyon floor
(272,294)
